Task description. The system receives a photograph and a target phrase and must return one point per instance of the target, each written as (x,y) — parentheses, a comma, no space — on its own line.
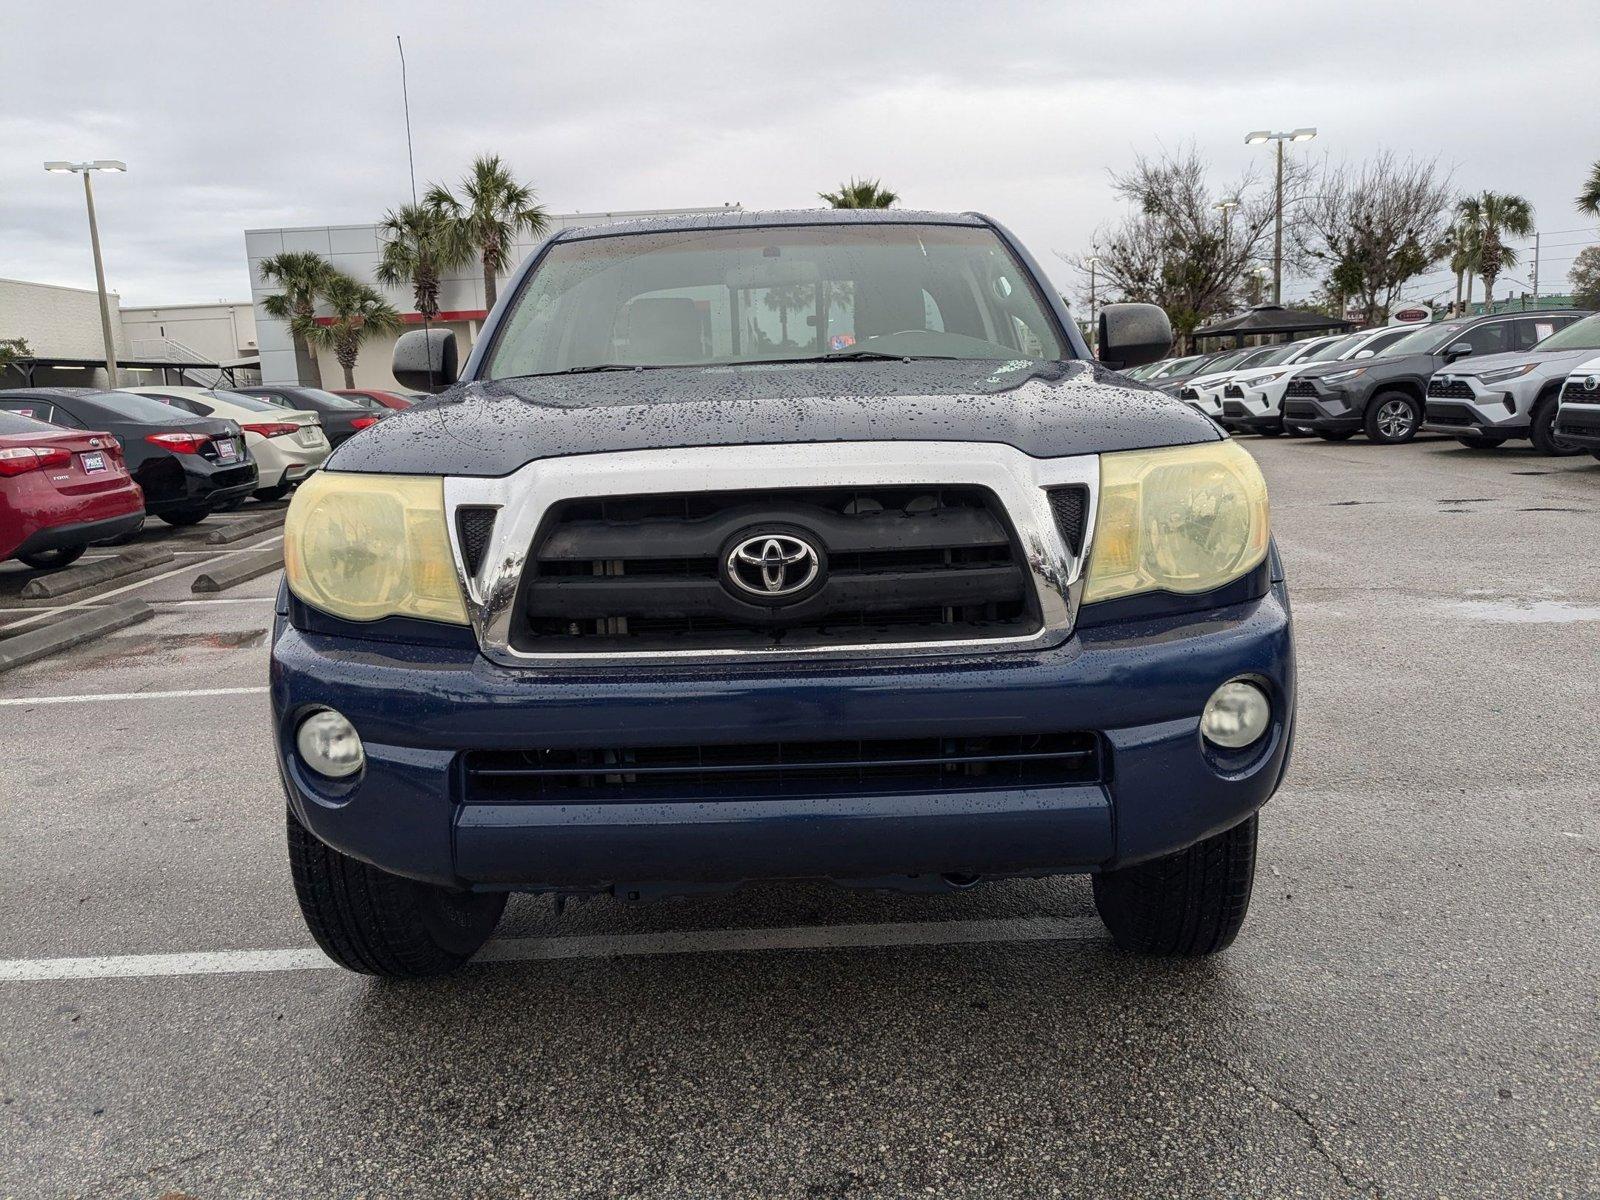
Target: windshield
(239,400)
(1178,366)
(735,295)
(1580,335)
(326,399)
(1425,340)
(143,409)
(1306,351)
(1336,349)
(1276,355)
(1226,362)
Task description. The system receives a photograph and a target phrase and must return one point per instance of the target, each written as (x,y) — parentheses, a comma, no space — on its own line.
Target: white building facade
(356,250)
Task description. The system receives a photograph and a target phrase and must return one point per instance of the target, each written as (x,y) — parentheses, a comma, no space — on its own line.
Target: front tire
(1392,419)
(53,560)
(1182,905)
(185,516)
(1482,441)
(376,923)
(276,492)
(1335,435)
(1543,432)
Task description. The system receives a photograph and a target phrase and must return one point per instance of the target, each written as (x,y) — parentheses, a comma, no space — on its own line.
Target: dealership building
(356,250)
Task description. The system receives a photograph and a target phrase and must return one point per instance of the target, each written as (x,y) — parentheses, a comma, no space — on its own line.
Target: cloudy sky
(235,116)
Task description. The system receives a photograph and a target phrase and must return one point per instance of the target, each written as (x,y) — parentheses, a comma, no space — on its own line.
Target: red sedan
(374,398)
(60,491)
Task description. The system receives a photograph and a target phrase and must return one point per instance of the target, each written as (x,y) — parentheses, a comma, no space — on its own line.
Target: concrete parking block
(75,579)
(72,630)
(237,531)
(238,569)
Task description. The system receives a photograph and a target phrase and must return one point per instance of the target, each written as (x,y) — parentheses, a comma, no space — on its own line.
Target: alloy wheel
(1395,419)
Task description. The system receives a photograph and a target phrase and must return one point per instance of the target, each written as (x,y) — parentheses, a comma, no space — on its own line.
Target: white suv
(1483,402)
(1578,415)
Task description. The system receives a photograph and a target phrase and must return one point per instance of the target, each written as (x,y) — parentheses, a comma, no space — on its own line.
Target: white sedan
(287,444)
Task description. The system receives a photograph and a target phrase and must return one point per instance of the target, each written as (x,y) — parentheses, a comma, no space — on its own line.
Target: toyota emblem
(1592,384)
(772,566)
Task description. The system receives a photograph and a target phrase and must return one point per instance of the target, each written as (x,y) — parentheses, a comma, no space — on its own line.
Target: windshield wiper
(836,356)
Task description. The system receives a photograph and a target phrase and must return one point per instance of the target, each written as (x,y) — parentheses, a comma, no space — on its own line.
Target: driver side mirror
(1133,334)
(1459,350)
(426,360)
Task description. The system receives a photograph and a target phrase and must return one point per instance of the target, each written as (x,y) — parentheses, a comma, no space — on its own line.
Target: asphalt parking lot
(1410,1010)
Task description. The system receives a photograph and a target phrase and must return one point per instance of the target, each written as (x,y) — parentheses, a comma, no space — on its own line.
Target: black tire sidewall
(52,560)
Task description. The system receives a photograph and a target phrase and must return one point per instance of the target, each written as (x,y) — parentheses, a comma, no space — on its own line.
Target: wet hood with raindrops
(1045,409)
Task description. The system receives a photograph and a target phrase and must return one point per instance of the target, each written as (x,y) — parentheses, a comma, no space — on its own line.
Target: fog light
(1236,715)
(330,745)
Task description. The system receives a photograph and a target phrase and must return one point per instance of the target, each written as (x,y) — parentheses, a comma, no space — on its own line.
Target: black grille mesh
(909,563)
(767,769)
(474,525)
(1454,389)
(1070,506)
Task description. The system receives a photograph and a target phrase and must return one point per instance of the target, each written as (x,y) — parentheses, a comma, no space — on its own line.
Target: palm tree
(301,274)
(1489,215)
(1458,244)
(1589,198)
(860,193)
(493,211)
(359,312)
(417,247)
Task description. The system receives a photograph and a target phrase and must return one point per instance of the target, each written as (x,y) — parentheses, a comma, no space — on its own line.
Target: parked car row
(81,466)
(1391,382)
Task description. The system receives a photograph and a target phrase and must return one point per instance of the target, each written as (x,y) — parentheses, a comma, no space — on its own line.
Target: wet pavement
(1409,1011)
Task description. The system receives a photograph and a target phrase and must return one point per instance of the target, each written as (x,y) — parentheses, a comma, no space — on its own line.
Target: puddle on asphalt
(1525,612)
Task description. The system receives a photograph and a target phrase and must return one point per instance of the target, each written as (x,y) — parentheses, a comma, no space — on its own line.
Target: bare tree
(1180,248)
(1371,228)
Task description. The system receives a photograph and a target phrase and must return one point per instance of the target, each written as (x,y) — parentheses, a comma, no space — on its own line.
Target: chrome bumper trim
(524,497)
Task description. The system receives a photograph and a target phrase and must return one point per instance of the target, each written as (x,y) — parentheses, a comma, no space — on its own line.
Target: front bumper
(1485,411)
(1139,684)
(1579,424)
(1327,412)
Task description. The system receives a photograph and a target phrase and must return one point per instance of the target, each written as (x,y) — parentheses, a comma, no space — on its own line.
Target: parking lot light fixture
(86,169)
(1256,138)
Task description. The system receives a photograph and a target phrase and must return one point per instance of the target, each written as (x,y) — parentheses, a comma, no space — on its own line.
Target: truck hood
(1044,409)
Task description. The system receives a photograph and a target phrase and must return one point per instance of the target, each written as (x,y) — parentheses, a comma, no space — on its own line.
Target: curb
(244,566)
(75,579)
(237,531)
(70,631)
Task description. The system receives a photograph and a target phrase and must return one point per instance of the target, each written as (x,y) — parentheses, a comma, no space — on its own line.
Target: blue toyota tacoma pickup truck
(771,546)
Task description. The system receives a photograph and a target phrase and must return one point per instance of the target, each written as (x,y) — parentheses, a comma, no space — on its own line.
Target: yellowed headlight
(1181,519)
(368,546)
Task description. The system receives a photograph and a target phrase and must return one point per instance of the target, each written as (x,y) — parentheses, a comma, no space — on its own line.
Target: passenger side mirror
(1133,334)
(426,360)
(1459,350)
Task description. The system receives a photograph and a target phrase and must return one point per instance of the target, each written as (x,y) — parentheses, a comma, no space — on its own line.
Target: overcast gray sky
(246,115)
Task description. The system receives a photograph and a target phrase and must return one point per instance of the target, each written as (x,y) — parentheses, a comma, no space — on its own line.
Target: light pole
(1226,206)
(86,169)
(1094,329)
(1255,139)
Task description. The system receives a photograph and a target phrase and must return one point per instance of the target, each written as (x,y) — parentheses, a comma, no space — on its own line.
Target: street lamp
(86,169)
(1094,265)
(1226,206)
(1255,139)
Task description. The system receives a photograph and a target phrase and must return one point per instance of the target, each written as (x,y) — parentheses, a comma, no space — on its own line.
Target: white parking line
(127,587)
(629,945)
(154,604)
(91,697)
